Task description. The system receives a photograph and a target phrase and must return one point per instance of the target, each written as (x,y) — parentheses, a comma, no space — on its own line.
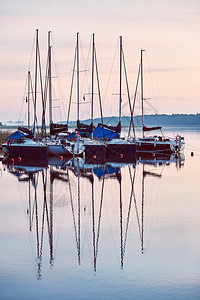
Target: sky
(169,31)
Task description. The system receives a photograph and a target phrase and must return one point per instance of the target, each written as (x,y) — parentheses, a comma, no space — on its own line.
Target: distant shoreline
(176,120)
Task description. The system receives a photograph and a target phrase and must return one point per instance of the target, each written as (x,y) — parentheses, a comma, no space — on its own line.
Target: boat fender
(121,155)
(61,157)
(19,159)
(153,154)
(12,161)
(94,157)
(177,138)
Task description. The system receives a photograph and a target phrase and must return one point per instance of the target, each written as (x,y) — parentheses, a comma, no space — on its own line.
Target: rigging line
(85,64)
(112,234)
(110,73)
(54,55)
(121,221)
(72,82)
(85,79)
(28,226)
(79,217)
(135,96)
(193,147)
(100,212)
(22,104)
(98,85)
(43,215)
(37,225)
(136,209)
(127,87)
(151,81)
(142,221)
(73,213)
(129,209)
(93,226)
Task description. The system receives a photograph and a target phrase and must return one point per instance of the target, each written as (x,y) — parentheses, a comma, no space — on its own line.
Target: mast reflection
(41,185)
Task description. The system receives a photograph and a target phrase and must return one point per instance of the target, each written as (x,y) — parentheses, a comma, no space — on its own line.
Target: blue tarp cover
(72,135)
(16,135)
(100,172)
(104,133)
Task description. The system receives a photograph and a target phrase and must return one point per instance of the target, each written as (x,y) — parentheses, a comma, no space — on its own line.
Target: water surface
(116,231)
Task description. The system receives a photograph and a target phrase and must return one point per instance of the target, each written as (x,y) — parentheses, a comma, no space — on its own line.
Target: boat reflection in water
(89,193)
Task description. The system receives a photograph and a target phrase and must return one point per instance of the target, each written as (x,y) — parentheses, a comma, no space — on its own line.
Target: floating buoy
(94,157)
(121,155)
(192,153)
(61,157)
(19,159)
(153,154)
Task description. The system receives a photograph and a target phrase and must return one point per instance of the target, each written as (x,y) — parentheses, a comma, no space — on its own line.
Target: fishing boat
(156,143)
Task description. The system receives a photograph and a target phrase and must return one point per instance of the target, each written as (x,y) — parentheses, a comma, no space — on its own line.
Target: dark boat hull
(154,148)
(95,154)
(26,151)
(110,152)
(121,152)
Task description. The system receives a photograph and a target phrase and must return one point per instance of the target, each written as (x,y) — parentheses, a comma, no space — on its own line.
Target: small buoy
(61,158)
(121,155)
(19,159)
(94,157)
(192,153)
(153,154)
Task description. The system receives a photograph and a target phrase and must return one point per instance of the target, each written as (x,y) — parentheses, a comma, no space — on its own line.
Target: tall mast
(120,79)
(49,75)
(142,90)
(77,63)
(92,108)
(28,98)
(36,69)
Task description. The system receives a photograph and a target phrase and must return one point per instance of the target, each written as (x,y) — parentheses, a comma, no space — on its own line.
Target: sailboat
(155,144)
(111,147)
(23,144)
(57,146)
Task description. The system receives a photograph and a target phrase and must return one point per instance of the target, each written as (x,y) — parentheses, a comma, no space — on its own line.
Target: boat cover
(100,172)
(57,128)
(16,135)
(117,128)
(145,128)
(104,133)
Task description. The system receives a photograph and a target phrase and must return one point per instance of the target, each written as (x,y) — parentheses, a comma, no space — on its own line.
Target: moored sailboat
(155,144)
(24,145)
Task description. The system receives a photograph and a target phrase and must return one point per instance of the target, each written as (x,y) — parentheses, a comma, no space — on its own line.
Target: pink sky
(168,30)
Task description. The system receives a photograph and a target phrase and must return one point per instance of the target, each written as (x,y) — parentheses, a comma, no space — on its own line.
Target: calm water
(112,232)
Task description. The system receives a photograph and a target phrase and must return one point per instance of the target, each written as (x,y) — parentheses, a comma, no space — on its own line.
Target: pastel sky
(169,31)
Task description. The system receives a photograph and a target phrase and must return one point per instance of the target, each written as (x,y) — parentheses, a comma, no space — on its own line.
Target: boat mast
(28,98)
(92,108)
(49,75)
(142,90)
(77,63)
(36,69)
(120,79)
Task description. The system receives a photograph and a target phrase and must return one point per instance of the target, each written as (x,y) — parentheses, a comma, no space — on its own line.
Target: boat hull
(154,147)
(121,152)
(95,154)
(59,150)
(110,152)
(26,151)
